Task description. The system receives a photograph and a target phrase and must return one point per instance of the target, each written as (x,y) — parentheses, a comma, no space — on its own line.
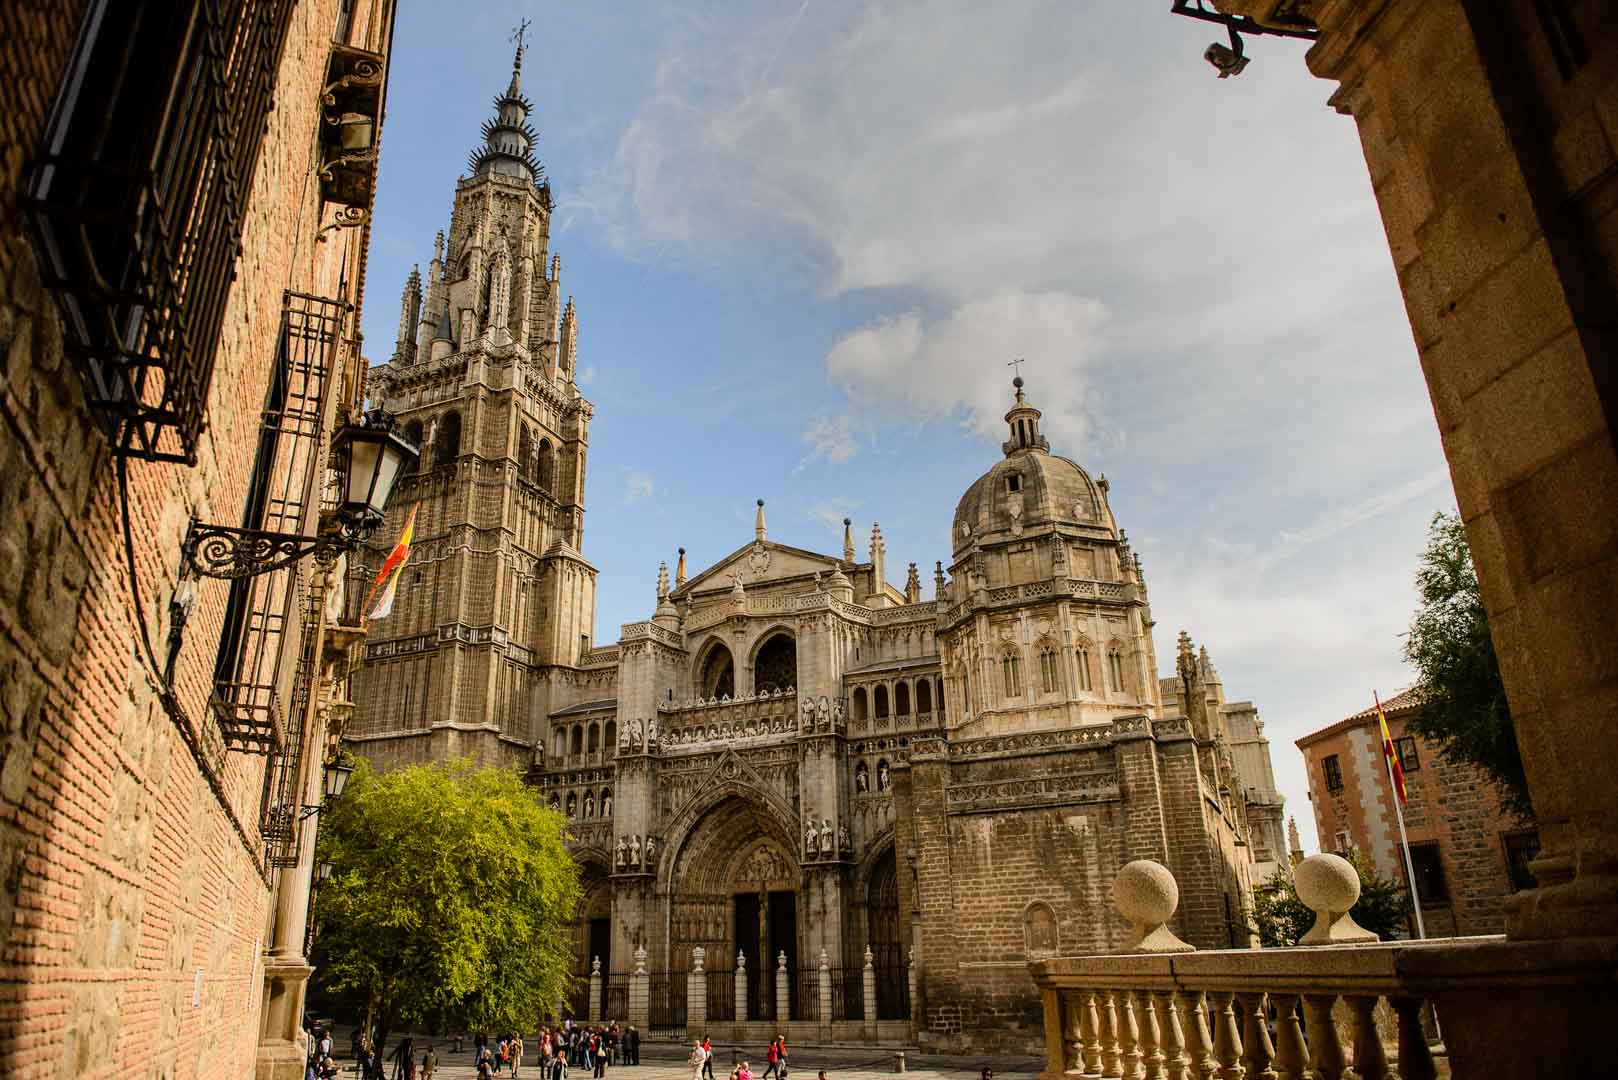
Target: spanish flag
(387,578)
(1394,770)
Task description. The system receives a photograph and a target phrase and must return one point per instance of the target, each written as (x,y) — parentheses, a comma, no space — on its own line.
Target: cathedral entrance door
(601,949)
(783,927)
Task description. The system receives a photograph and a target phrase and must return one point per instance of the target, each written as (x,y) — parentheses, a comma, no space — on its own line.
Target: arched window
(777,665)
(578,739)
(880,697)
(1082,655)
(595,738)
(447,440)
(412,435)
(1011,668)
(1039,930)
(1115,668)
(561,742)
(611,734)
(942,697)
(859,707)
(924,696)
(544,464)
(717,677)
(525,452)
(901,699)
(1050,680)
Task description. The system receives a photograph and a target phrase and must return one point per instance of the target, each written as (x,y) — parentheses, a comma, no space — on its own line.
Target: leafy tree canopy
(1464,711)
(1282,918)
(451,900)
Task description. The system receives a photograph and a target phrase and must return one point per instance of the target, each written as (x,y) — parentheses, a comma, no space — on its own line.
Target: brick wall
(132,910)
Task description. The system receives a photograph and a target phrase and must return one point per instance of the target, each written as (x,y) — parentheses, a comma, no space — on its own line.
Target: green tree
(451,900)
(1281,918)
(1464,710)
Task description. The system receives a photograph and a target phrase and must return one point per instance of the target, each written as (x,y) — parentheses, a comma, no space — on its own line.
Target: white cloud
(638,485)
(831,512)
(903,367)
(587,374)
(830,439)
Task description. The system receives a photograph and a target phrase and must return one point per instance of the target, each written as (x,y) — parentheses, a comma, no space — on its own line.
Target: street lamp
(1284,18)
(368,456)
(334,774)
(324,871)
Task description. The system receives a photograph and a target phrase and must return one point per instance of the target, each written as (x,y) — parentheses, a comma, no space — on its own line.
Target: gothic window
(858,705)
(561,742)
(525,452)
(924,696)
(1082,655)
(595,738)
(544,464)
(611,733)
(578,739)
(1115,668)
(1011,667)
(447,439)
(880,697)
(412,435)
(718,677)
(1049,677)
(777,665)
(901,699)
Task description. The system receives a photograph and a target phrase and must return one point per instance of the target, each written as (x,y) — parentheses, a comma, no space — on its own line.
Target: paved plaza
(666,1061)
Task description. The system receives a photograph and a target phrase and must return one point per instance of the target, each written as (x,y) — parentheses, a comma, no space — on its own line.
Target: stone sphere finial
(1146,894)
(1330,886)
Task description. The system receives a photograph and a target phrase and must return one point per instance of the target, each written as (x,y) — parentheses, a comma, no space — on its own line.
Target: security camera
(1226,61)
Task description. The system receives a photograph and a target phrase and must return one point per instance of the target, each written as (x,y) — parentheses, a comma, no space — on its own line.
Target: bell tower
(497,593)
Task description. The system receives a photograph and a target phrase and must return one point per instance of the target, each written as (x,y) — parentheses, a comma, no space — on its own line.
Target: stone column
(1500,230)
(824,988)
(741,987)
(696,996)
(640,992)
(783,990)
(868,993)
(594,1011)
(914,984)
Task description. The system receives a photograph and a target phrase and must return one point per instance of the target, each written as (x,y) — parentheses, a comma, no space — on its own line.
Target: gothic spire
(508,139)
(758,522)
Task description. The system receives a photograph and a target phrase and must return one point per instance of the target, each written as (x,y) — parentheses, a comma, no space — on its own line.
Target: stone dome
(1030,488)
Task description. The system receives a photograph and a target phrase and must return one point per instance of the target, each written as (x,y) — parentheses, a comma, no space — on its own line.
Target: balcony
(1465,1007)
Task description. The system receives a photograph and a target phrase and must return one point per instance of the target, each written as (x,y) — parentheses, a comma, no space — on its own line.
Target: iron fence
(666,994)
(577,1005)
(617,991)
(721,995)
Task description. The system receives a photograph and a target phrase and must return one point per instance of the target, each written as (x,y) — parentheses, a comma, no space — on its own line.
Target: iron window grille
(1333,771)
(1409,758)
(250,672)
(137,198)
(281,822)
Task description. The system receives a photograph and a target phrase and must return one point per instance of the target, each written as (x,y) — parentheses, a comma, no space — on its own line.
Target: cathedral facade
(791,763)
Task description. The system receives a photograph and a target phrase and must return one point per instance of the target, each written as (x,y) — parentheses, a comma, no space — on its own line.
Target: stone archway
(592,931)
(883,935)
(715,672)
(734,886)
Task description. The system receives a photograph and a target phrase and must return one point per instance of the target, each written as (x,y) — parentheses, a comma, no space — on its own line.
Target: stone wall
(133,906)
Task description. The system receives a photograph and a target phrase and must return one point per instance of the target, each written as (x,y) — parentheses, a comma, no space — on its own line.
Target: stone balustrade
(1343,1002)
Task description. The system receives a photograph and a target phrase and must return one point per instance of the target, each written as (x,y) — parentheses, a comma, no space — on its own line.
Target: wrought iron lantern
(1283,18)
(369,457)
(334,775)
(324,872)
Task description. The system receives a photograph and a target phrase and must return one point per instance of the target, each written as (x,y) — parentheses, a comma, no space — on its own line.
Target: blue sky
(805,241)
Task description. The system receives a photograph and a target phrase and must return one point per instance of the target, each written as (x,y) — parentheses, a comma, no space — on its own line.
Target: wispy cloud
(829,438)
(638,485)
(831,512)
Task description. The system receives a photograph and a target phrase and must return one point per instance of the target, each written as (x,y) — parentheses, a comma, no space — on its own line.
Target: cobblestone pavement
(666,1061)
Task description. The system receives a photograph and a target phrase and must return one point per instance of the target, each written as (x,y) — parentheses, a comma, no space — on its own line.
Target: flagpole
(1398,810)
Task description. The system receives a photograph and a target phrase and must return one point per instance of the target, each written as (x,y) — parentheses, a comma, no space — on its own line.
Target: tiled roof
(1403,703)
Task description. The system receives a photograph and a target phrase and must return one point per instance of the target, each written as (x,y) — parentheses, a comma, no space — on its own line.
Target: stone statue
(651,847)
(590,805)
(828,839)
(882,776)
(634,850)
(651,733)
(842,838)
(862,779)
(811,842)
(623,852)
(823,710)
(606,806)
(808,710)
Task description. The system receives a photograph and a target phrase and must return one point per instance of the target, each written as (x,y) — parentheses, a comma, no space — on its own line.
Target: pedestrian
(599,1049)
(516,1054)
(404,1059)
(744,1072)
(558,1062)
(698,1060)
(781,1055)
(822,1075)
(772,1060)
(323,1048)
(429,1063)
(632,1044)
(707,1059)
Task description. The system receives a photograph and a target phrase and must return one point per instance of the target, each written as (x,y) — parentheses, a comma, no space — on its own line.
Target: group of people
(775,1062)
(592,1048)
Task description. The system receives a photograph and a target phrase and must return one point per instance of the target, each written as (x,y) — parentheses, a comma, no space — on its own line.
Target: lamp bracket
(1300,26)
(310,810)
(219,551)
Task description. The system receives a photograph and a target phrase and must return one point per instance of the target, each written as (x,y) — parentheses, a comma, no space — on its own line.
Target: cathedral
(791,764)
